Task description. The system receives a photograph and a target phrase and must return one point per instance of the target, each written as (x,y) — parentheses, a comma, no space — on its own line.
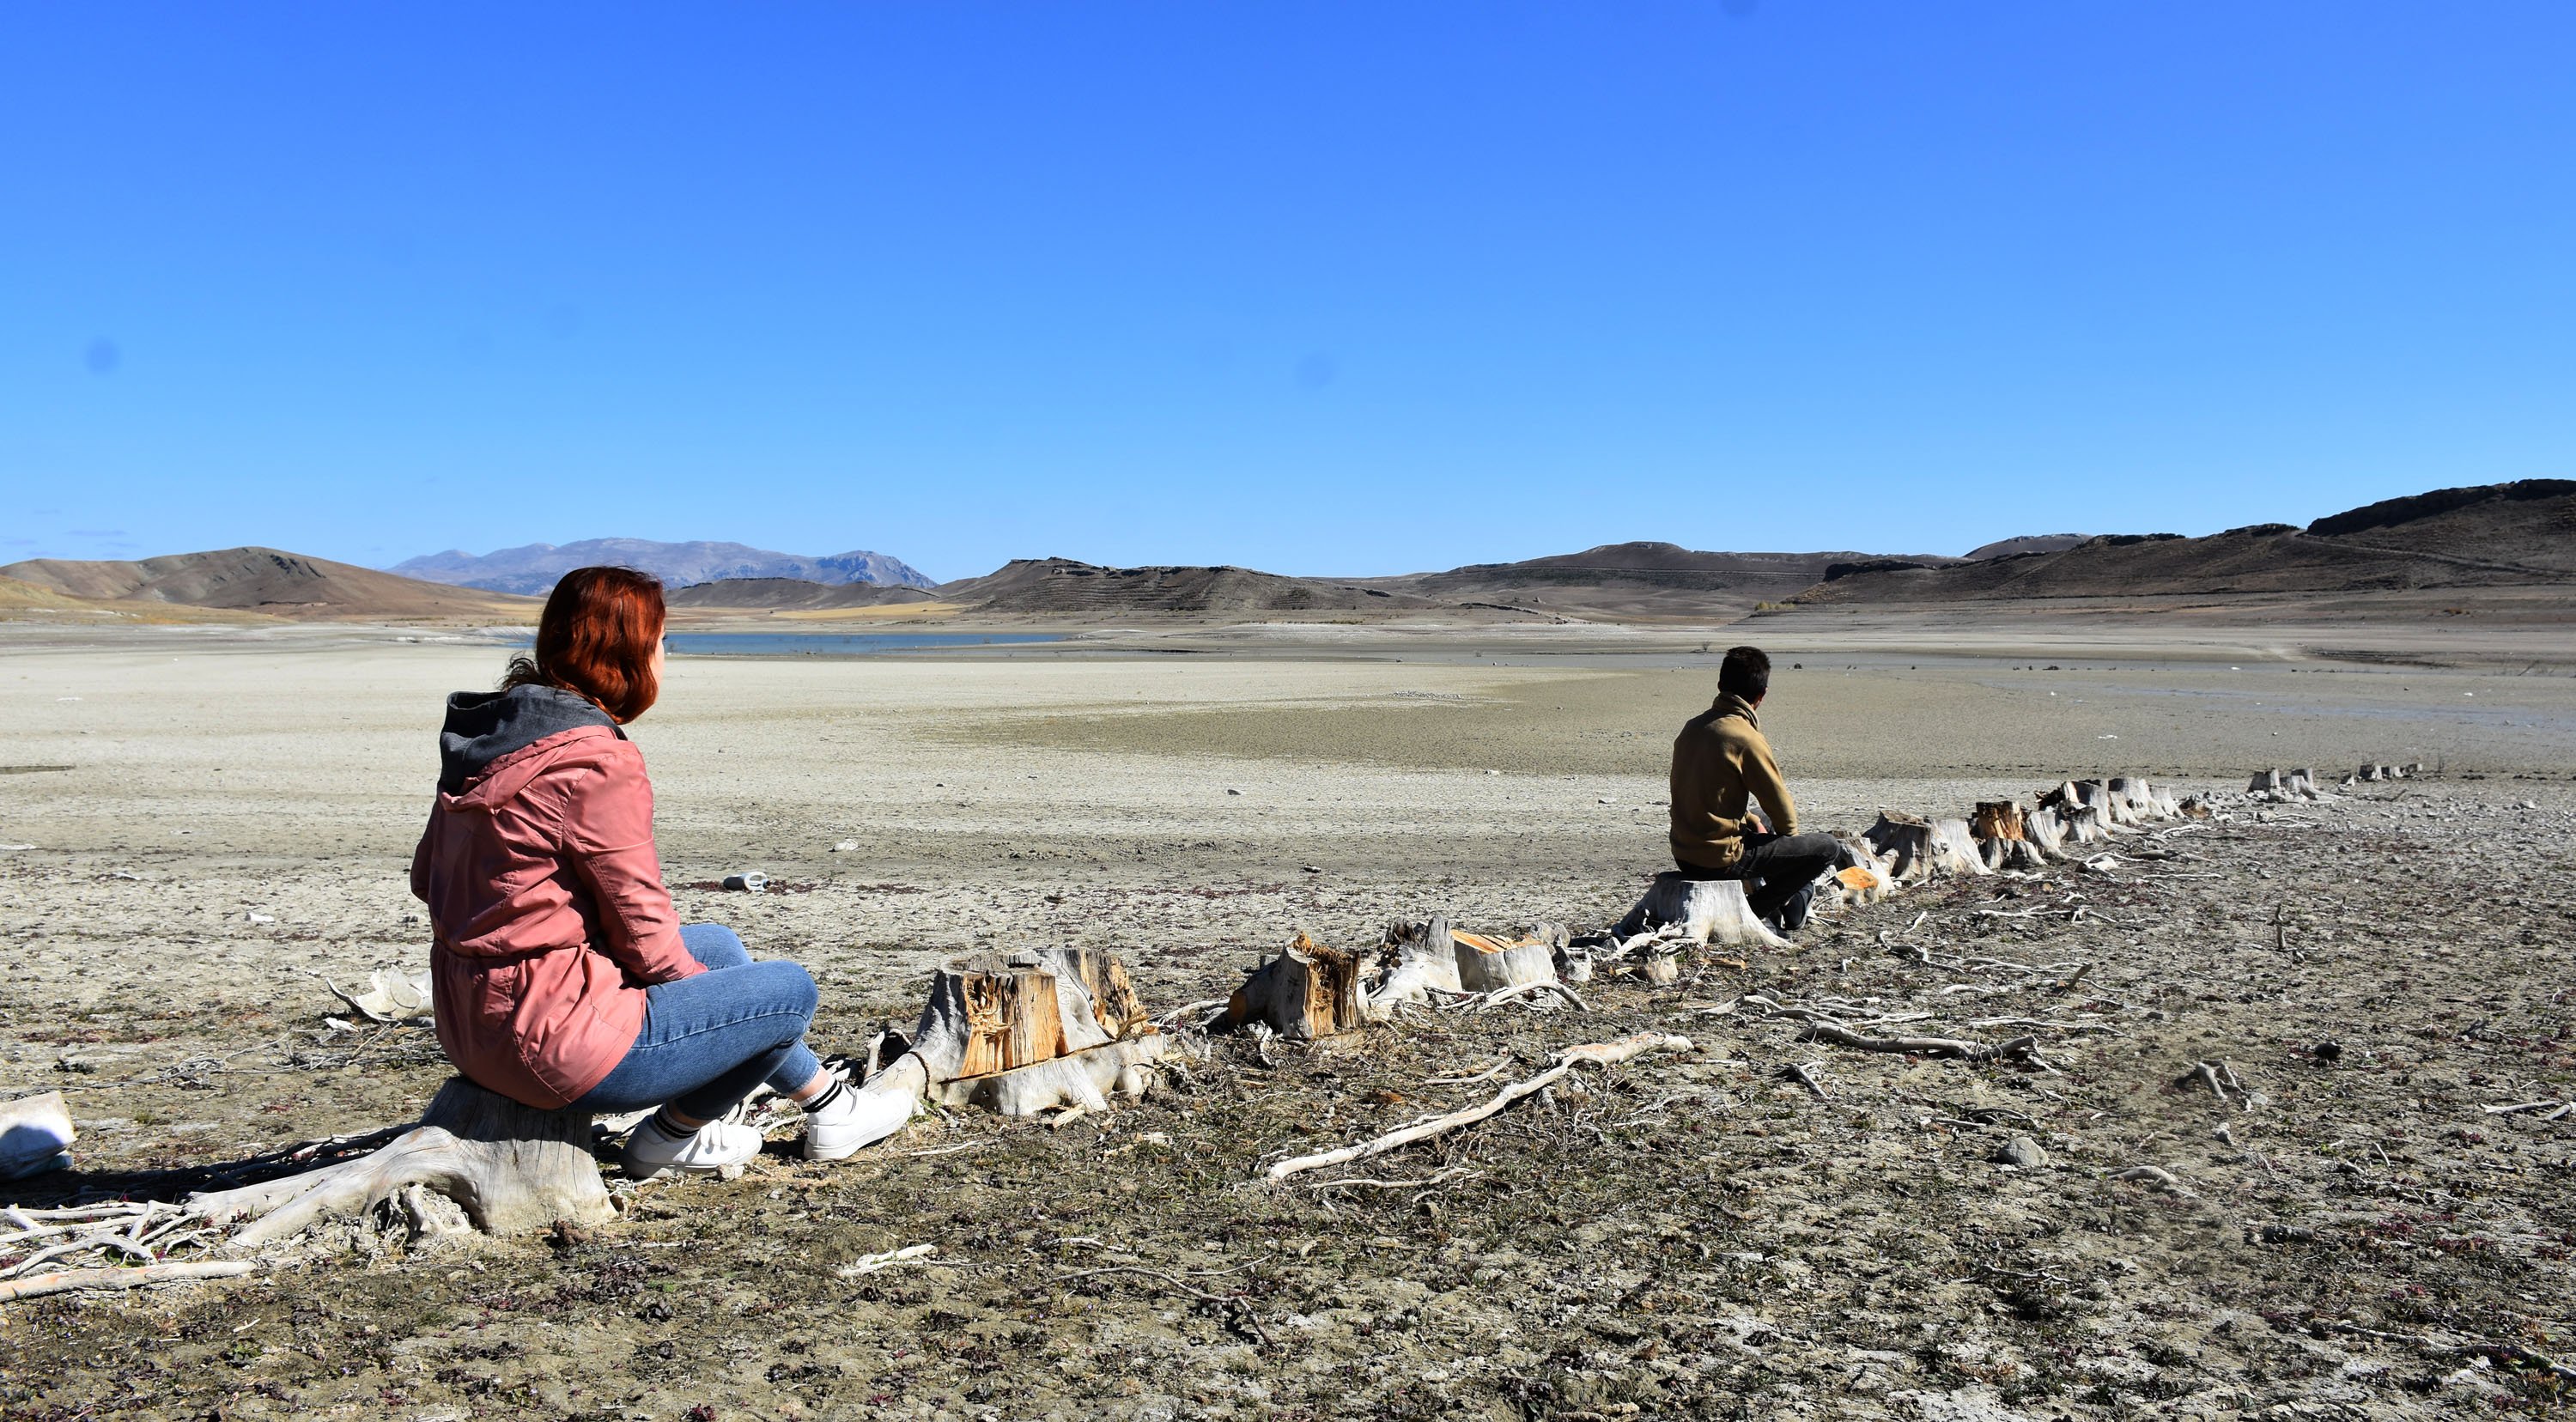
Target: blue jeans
(708,1040)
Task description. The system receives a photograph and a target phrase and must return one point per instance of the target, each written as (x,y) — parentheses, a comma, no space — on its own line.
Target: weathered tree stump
(1906,842)
(34,1133)
(510,1167)
(1954,848)
(2045,831)
(1417,960)
(1026,1035)
(2014,855)
(2265,782)
(1861,875)
(1113,998)
(1998,819)
(1490,965)
(1308,991)
(1709,910)
(2087,824)
(1014,1014)
(2142,798)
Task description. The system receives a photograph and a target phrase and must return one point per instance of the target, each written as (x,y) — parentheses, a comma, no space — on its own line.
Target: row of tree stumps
(1062,1029)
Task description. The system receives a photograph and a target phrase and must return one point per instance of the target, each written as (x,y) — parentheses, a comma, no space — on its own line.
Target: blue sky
(1316,288)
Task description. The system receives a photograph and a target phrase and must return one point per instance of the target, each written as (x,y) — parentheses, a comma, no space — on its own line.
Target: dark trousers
(1775,868)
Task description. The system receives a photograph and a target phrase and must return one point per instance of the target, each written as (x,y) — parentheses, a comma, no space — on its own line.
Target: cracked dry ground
(1691,1235)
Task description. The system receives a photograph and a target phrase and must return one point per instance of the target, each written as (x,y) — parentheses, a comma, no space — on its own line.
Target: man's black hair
(1746,673)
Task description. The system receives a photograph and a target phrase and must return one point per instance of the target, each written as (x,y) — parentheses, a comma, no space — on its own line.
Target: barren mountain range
(2461,541)
(534,568)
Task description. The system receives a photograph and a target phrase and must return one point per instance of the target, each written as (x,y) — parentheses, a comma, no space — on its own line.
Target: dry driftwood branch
(2016,1049)
(1806,1076)
(66,1280)
(2157,1176)
(872,1263)
(1596,1054)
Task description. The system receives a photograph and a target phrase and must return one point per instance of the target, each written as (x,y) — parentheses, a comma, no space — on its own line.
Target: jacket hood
(1727,704)
(483,726)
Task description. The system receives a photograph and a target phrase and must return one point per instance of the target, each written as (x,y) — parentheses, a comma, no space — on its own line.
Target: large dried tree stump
(2045,831)
(1954,848)
(1708,910)
(1906,843)
(510,1167)
(1998,819)
(1307,992)
(1492,964)
(1417,960)
(1031,1035)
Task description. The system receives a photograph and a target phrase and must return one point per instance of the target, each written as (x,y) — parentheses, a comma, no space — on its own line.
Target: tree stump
(1906,841)
(1024,1037)
(1490,965)
(1309,991)
(1998,819)
(1416,960)
(2087,824)
(2045,831)
(511,1168)
(1014,1015)
(1954,848)
(1104,978)
(1710,911)
(1861,875)
(35,1131)
(2265,782)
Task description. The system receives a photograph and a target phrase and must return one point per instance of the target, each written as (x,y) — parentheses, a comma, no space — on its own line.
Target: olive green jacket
(1719,762)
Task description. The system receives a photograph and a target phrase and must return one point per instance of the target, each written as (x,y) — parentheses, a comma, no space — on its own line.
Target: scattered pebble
(2021,1152)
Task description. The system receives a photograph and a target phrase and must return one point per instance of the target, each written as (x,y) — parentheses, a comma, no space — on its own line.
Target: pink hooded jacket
(545,897)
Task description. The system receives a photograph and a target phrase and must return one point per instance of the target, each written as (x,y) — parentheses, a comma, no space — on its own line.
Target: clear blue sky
(1317,288)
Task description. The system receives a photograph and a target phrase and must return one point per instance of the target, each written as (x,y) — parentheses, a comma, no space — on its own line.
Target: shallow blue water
(851,644)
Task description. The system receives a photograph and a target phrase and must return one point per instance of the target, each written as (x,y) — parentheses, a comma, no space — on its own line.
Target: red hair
(596,639)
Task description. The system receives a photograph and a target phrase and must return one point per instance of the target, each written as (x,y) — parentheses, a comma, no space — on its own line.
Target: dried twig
(66,1280)
(1597,1054)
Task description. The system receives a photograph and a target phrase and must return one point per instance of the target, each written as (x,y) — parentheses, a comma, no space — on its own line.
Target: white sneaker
(650,1150)
(853,1118)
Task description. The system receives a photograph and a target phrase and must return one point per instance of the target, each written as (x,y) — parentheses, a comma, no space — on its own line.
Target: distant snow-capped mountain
(534,568)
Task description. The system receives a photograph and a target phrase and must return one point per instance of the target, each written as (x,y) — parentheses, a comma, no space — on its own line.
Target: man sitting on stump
(1720,761)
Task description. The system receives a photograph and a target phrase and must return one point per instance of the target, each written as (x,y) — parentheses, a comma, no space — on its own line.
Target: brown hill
(2027,543)
(17,595)
(789,595)
(1060,586)
(2504,535)
(2528,524)
(1619,580)
(264,580)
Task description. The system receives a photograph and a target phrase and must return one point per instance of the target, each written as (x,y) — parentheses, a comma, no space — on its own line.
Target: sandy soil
(1693,1236)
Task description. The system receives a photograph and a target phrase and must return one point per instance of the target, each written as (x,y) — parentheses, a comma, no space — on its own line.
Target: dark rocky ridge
(2501,535)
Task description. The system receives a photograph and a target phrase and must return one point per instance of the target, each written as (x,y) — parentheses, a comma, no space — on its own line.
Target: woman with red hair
(561,974)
